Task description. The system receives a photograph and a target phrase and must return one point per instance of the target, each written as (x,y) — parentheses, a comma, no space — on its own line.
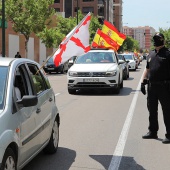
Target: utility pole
(3,28)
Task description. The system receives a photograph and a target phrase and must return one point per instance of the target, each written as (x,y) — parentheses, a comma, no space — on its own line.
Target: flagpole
(46,61)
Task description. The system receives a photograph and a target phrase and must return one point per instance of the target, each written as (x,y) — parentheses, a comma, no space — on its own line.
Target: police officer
(158,73)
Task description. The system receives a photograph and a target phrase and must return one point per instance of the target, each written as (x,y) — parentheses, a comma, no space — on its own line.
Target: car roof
(126,54)
(6,61)
(101,50)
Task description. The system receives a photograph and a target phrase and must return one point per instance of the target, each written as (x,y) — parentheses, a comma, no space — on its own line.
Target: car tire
(71,91)
(52,146)
(62,70)
(125,76)
(9,160)
(117,90)
(128,74)
(121,84)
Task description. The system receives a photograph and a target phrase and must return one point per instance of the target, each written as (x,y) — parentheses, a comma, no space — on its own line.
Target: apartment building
(117,14)
(111,10)
(142,34)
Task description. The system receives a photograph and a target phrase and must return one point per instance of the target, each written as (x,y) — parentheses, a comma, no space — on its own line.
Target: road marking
(117,155)
(57,94)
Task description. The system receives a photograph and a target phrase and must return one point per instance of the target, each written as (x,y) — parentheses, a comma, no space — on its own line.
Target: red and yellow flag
(113,33)
(101,40)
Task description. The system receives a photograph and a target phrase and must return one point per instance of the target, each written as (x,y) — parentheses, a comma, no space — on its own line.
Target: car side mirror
(127,61)
(121,62)
(28,100)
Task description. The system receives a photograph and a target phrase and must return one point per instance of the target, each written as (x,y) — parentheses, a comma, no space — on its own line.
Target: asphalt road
(102,131)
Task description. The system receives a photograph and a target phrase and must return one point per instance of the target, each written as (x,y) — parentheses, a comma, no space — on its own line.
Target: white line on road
(117,156)
(57,94)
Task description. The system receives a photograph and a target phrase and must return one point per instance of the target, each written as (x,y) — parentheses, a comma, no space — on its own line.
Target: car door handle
(50,99)
(38,110)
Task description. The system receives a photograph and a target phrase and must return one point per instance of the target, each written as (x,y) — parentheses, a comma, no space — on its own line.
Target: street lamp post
(3,28)
(77,12)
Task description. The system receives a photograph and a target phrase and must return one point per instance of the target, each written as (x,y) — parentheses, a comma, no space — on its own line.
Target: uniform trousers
(158,92)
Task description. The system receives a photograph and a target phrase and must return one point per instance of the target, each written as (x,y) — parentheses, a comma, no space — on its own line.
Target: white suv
(97,69)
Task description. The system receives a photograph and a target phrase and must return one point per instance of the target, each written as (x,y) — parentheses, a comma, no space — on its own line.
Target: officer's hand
(145,81)
(142,88)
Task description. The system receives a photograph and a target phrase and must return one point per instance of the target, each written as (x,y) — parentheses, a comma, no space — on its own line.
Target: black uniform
(159,88)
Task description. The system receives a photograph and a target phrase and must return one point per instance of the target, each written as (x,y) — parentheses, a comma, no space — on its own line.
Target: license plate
(91,80)
(50,68)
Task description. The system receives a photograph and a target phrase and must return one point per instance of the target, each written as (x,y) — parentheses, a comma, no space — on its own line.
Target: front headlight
(111,73)
(73,73)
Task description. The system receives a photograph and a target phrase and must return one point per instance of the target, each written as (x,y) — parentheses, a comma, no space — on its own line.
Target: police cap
(158,36)
(158,39)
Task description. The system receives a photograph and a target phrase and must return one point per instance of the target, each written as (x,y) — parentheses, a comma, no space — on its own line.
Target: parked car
(125,66)
(97,69)
(50,67)
(29,118)
(133,63)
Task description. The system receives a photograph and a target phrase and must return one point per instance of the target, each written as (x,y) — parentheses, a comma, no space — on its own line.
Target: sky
(151,13)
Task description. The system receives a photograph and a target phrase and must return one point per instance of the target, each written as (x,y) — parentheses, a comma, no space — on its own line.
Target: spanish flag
(101,40)
(113,33)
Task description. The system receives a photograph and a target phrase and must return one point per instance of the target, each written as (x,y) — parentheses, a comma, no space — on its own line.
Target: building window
(56,1)
(87,10)
(57,9)
(101,11)
(88,0)
(100,1)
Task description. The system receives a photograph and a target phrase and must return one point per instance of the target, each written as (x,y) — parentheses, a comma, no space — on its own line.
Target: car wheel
(128,74)
(9,160)
(71,91)
(125,76)
(62,70)
(117,90)
(54,139)
(121,85)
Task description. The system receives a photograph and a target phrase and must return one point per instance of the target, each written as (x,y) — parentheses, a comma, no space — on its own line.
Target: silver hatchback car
(29,118)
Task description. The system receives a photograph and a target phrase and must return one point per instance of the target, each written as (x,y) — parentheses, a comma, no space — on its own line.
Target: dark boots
(150,135)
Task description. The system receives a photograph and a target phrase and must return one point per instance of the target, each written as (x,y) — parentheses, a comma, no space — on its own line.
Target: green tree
(166,33)
(52,37)
(48,37)
(29,16)
(129,44)
(94,24)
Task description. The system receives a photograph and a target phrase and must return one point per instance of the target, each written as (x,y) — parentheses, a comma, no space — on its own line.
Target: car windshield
(50,61)
(3,79)
(120,57)
(128,57)
(96,57)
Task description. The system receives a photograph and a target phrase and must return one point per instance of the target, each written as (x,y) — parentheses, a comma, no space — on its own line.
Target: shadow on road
(123,92)
(62,160)
(127,163)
